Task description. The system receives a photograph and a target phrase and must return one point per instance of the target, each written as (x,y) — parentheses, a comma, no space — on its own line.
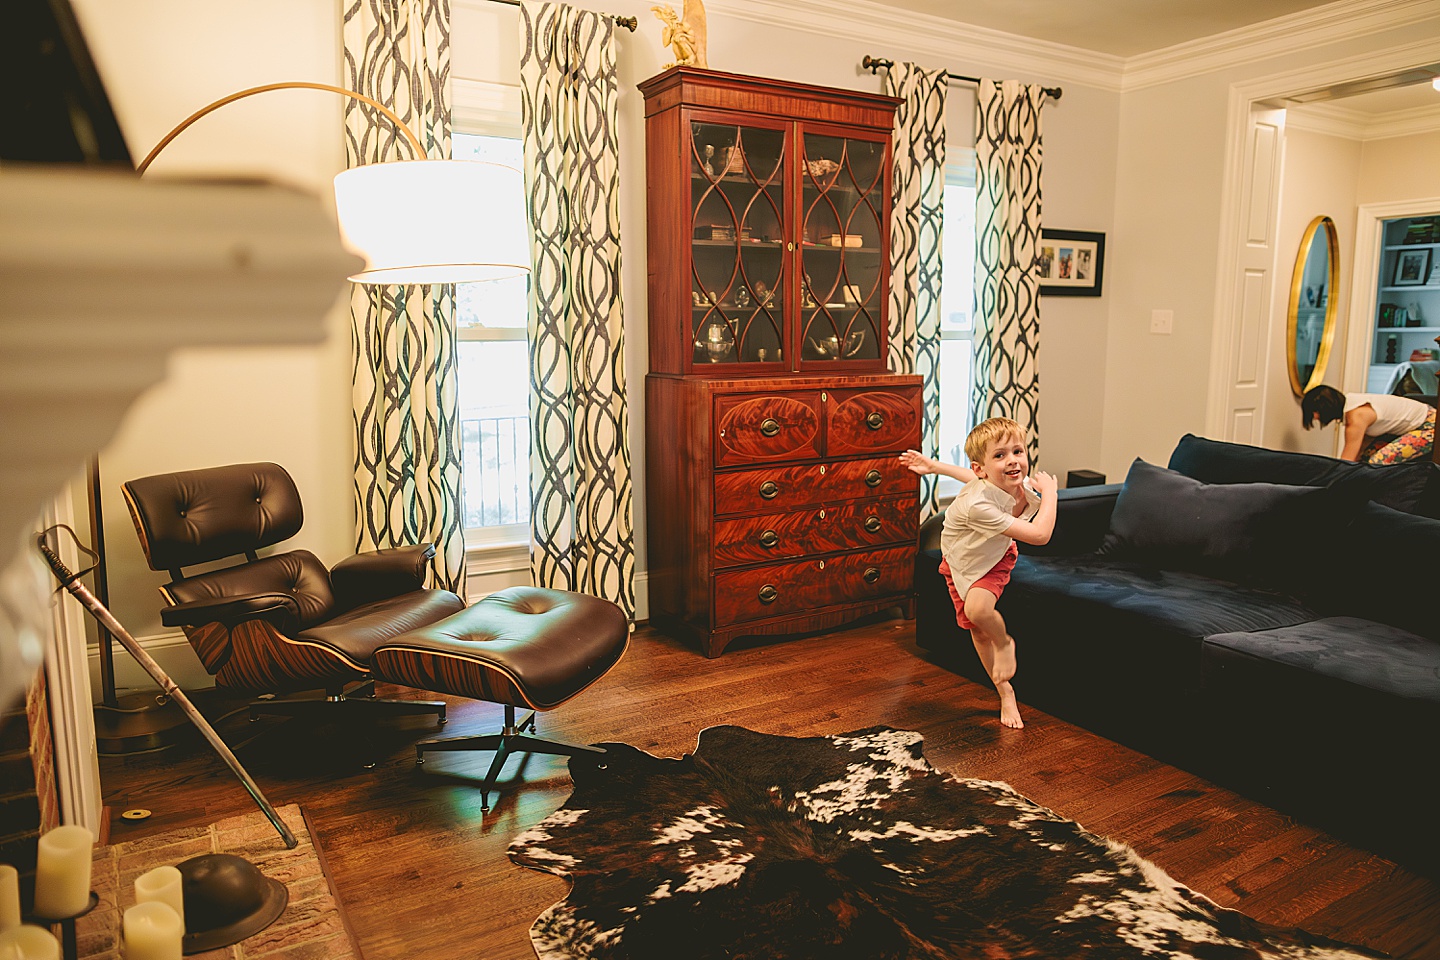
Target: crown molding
(1339,121)
(1404,123)
(954,45)
(1342,20)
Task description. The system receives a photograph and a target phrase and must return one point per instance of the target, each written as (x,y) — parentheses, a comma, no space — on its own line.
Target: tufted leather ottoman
(521,647)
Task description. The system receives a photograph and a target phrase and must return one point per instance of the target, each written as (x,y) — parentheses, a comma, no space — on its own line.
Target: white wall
(1170,174)
(160,61)
(1319,178)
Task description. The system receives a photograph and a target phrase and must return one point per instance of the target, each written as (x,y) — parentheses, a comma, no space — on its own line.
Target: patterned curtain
(580,515)
(406,416)
(917,231)
(1007,227)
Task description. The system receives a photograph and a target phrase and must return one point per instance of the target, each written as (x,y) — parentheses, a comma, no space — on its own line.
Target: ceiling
(1121,28)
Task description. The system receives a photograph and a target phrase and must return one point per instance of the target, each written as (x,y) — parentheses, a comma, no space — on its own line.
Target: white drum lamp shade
(433,221)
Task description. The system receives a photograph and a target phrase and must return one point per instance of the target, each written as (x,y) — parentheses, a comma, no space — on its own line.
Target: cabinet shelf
(1427,329)
(1413,288)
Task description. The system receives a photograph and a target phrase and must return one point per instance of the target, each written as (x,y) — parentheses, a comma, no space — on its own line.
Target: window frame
(959,171)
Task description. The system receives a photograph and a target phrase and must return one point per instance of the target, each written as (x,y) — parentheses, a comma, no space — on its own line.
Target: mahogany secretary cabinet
(775,500)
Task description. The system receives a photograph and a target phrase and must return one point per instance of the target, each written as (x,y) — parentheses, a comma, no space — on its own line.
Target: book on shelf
(1421,230)
(844,240)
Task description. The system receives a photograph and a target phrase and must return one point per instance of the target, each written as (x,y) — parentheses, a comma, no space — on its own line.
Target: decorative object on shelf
(843,240)
(851,292)
(807,298)
(1421,230)
(1412,268)
(1385,316)
(763,293)
(709,158)
(685,33)
(1412,312)
(697,298)
(716,341)
(742,298)
(1071,263)
(820,169)
(1392,343)
(732,159)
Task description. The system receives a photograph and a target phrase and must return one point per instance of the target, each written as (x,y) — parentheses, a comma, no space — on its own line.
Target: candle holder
(69,946)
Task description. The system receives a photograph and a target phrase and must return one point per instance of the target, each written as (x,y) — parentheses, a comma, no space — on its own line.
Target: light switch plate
(1162,321)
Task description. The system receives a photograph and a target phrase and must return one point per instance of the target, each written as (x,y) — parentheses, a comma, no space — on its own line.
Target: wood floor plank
(406,846)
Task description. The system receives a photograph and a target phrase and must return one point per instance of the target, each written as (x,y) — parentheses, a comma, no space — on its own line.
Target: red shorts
(994,581)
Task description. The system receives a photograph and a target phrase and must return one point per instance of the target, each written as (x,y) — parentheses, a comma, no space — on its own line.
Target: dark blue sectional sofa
(1266,619)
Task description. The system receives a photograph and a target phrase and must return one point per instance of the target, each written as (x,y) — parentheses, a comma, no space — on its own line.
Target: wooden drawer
(871,421)
(779,489)
(761,592)
(826,529)
(750,428)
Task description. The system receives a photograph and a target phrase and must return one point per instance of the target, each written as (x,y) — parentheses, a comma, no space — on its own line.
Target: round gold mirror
(1310,326)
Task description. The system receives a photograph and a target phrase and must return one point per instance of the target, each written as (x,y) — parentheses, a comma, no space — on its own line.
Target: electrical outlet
(1162,321)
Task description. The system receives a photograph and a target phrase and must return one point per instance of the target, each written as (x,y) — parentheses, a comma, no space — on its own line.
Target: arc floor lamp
(376,208)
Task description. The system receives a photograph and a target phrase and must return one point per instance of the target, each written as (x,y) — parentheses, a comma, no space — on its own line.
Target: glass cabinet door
(737,256)
(842,283)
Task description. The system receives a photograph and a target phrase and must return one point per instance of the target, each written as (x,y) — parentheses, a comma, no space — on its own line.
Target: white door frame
(1230,277)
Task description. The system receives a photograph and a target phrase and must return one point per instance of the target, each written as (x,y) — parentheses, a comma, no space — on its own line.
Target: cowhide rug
(767,847)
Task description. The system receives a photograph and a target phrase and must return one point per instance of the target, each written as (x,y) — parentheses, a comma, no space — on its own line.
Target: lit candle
(28,943)
(162,885)
(152,931)
(9,897)
(62,873)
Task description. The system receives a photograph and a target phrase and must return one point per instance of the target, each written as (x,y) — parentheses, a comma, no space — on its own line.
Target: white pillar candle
(162,885)
(152,931)
(28,942)
(9,897)
(62,873)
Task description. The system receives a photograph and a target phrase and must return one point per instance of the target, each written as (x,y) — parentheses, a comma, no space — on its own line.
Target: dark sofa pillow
(1261,534)
(1400,486)
(1390,569)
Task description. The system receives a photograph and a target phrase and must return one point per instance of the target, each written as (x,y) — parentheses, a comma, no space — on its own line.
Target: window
(494,381)
(957,320)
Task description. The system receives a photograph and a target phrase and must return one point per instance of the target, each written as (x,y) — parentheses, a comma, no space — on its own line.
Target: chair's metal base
(511,739)
(359,698)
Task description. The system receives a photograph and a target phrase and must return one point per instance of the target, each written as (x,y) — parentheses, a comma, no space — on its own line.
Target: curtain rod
(874,64)
(629,23)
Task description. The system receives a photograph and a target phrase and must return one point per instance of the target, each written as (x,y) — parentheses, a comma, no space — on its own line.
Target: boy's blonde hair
(991,431)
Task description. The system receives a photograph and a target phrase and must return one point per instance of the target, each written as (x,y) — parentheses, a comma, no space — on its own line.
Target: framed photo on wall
(1412,267)
(1070,263)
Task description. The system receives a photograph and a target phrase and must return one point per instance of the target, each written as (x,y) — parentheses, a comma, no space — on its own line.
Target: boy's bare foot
(1009,709)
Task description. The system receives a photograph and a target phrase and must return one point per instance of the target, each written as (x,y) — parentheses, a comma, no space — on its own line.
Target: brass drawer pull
(875,420)
(873,478)
(769,490)
(769,427)
(769,538)
(768,594)
(873,524)
(871,574)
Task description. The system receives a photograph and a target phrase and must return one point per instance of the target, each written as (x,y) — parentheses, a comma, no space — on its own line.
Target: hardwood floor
(422,874)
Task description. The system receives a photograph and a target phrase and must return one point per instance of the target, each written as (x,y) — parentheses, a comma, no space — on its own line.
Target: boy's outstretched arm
(1037,531)
(923,465)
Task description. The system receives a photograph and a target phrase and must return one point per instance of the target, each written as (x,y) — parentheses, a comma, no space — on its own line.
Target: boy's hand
(918,462)
(1045,483)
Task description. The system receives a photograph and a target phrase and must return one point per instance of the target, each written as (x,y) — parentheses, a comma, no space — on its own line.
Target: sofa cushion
(1390,570)
(1402,486)
(1263,534)
(1332,653)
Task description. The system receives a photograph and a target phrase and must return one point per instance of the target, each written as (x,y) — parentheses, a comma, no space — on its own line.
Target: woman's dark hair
(1328,402)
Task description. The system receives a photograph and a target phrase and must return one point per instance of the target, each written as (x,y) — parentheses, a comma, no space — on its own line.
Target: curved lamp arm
(183,125)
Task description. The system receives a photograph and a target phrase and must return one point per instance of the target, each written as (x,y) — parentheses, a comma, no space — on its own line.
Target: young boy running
(997,506)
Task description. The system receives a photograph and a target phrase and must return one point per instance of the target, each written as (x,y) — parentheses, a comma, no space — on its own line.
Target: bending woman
(1379,427)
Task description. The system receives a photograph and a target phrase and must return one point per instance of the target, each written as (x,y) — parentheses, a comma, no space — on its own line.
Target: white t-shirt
(1392,414)
(973,538)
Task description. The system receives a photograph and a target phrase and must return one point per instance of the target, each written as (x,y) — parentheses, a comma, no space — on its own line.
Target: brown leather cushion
(525,646)
(196,516)
(298,573)
(356,633)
